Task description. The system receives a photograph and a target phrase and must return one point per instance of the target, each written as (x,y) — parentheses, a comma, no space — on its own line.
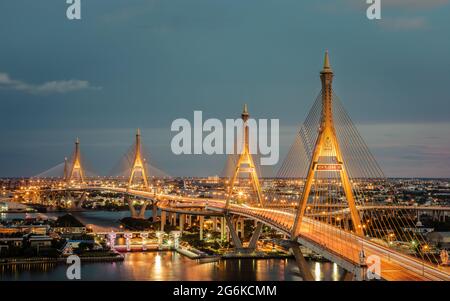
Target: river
(170,266)
(165,265)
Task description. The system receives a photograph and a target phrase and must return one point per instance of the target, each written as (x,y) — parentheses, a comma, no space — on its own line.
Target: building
(40,241)
(439,239)
(11,241)
(69,225)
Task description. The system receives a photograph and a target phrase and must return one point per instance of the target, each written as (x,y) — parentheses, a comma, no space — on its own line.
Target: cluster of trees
(211,246)
(139,224)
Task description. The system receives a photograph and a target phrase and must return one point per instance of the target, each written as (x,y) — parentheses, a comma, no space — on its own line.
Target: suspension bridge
(333,216)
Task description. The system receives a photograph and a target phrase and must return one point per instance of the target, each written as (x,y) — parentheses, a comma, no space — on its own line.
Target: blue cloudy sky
(144,63)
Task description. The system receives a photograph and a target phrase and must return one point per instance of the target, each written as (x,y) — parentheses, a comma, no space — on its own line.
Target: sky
(131,64)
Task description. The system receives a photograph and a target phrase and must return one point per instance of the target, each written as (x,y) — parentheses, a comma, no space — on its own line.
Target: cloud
(51,87)
(411,23)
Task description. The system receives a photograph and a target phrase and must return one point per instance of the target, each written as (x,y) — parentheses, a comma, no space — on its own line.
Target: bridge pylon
(74,171)
(245,164)
(138,167)
(138,163)
(327,157)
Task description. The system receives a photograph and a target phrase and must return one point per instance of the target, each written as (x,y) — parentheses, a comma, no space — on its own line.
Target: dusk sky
(143,63)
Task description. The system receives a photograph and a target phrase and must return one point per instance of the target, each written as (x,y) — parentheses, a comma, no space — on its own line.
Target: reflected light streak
(317,271)
(158,265)
(335,274)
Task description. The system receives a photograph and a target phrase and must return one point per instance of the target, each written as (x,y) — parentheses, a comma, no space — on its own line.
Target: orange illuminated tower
(327,156)
(138,162)
(245,164)
(76,170)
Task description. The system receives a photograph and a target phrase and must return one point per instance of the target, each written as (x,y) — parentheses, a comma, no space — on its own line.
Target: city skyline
(93,80)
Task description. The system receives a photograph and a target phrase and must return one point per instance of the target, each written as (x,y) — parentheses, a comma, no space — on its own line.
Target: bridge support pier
(76,203)
(240,227)
(255,236)
(131,206)
(173,219)
(141,214)
(182,222)
(303,266)
(134,214)
(234,236)
(201,224)
(83,198)
(223,232)
(189,220)
(163,220)
(233,232)
(68,197)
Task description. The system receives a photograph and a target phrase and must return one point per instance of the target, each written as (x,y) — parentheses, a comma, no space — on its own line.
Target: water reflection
(336,274)
(171,266)
(317,272)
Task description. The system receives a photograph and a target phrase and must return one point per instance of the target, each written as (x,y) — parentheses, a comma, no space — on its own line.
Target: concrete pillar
(254,239)
(202,220)
(141,214)
(163,219)
(128,200)
(182,221)
(222,228)
(171,219)
(232,229)
(189,220)
(239,226)
(302,264)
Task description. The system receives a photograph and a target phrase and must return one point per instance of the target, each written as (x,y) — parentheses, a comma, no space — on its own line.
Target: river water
(164,265)
(171,266)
